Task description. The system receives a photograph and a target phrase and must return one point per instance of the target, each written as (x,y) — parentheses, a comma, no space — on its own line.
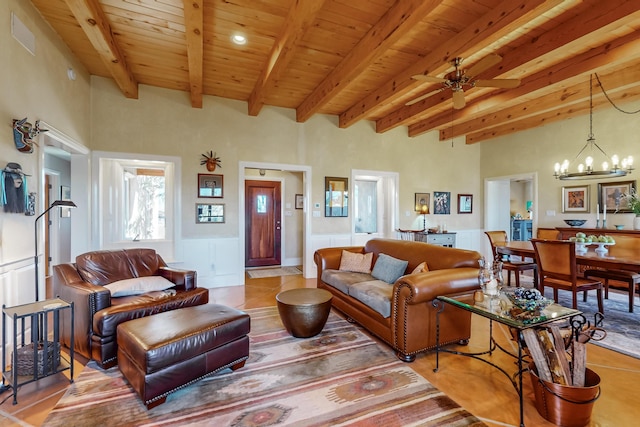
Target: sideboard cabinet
(566,232)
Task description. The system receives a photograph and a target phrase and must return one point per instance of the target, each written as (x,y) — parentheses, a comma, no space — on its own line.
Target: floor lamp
(57,203)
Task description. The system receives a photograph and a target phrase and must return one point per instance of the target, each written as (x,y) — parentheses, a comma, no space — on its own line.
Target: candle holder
(604,223)
(597,223)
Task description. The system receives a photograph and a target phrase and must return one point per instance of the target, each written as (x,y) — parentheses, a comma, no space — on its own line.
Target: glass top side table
(497,309)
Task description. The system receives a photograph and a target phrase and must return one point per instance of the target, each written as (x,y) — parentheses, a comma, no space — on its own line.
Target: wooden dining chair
(557,269)
(510,265)
(547,233)
(630,278)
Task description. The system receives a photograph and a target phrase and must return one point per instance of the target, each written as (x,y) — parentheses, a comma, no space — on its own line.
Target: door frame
(307,270)
(494,206)
(55,139)
(388,209)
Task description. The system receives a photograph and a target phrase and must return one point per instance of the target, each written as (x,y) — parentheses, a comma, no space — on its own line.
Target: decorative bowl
(619,226)
(575,222)
(529,304)
(528,299)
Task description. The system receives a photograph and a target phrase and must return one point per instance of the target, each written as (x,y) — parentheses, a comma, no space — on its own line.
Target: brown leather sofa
(411,326)
(98,314)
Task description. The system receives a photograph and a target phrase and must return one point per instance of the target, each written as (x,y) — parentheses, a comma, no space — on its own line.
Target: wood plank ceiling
(355,58)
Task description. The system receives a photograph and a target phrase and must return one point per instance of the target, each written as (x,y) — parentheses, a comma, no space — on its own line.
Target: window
(144,204)
(136,200)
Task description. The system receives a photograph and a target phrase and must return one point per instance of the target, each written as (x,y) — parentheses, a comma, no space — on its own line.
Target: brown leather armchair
(98,314)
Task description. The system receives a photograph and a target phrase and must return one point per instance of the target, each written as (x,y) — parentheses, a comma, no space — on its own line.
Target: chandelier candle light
(586,171)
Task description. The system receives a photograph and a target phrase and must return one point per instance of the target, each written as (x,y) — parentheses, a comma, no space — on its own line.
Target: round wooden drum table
(304,311)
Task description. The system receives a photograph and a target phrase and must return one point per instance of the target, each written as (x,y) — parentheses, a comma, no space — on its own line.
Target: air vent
(20,32)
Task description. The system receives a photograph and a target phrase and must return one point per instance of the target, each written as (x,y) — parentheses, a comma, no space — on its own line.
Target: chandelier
(612,168)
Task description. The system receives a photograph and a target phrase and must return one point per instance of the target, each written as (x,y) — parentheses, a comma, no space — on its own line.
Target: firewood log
(559,343)
(553,357)
(579,365)
(537,354)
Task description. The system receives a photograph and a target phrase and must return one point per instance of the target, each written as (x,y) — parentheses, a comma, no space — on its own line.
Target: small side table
(304,311)
(46,357)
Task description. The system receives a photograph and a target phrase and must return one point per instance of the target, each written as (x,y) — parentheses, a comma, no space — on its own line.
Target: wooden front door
(262,223)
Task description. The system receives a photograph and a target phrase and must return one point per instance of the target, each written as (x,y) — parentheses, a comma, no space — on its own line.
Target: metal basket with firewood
(559,351)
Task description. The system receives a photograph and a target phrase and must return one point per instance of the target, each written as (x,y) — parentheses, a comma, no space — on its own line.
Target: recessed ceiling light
(239,39)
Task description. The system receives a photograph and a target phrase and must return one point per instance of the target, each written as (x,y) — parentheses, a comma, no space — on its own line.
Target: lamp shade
(63,203)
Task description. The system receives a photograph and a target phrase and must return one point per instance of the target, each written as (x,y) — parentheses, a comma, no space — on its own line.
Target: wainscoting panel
(215,260)
(319,241)
(17,287)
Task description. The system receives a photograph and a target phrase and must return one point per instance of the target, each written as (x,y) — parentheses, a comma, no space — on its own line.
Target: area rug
(273,272)
(338,378)
(623,334)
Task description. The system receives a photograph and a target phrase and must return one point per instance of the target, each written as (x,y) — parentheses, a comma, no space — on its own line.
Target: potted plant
(633,201)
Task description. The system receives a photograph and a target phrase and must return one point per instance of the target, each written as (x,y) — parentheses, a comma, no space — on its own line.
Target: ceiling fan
(459,78)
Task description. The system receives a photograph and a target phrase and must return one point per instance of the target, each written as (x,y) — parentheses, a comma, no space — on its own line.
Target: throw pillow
(357,263)
(138,285)
(388,268)
(421,268)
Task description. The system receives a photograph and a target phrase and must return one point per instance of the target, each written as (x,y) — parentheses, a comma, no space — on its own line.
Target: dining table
(616,258)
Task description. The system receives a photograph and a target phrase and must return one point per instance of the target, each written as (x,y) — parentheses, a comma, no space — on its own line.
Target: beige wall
(36,87)
(537,150)
(94,112)
(163,122)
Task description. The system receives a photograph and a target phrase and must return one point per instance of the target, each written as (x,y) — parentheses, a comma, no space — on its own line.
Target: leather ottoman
(162,353)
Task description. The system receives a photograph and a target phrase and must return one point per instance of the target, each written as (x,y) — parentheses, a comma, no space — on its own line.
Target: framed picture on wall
(336,196)
(422,203)
(575,199)
(611,195)
(441,202)
(209,213)
(299,201)
(65,194)
(210,185)
(465,203)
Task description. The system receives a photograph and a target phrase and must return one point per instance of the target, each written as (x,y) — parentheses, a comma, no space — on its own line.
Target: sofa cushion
(107,266)
(138,285)
(356,262)
(341,280)
(388,268)
(375,294)
(421,268)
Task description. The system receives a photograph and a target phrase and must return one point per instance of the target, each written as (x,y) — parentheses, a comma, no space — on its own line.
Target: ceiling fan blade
(426,78)
(483,64)
(421,97)
(502,83)
(458,100)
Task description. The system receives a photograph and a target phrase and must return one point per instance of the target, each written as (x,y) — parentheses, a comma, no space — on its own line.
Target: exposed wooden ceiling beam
(193,22)
(624,48)
(628,95)
(301,16)
(401,18)
(575,30)
(615,81)
(95,25)
(491,27)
